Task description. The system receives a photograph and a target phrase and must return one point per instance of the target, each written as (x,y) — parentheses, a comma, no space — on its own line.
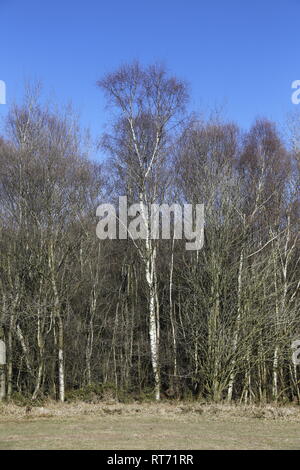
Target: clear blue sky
(243,55)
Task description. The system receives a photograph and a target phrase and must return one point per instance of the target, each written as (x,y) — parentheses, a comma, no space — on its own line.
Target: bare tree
(149,104)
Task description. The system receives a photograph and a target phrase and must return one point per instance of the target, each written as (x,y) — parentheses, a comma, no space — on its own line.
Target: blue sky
(238,55)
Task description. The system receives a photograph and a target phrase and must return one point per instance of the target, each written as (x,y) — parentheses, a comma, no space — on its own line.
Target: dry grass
(170,425)
(176,409)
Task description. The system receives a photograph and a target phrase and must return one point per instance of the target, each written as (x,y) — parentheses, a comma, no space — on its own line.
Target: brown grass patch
(172,409)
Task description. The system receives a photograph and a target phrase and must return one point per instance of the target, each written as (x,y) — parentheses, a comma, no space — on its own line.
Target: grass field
(149,426)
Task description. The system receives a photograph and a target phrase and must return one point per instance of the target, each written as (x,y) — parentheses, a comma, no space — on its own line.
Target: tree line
(148,317)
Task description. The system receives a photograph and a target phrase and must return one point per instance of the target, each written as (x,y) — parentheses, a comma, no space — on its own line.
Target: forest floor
(149,426)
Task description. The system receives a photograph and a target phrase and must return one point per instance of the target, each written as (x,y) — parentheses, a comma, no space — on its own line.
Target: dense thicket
(148,315)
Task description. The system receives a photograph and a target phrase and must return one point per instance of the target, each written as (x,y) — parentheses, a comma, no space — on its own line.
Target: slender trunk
(213,342)
(61,369)
(24,347)
(275,374)
(2,365)
(153,323)
(150,274)
(276,349)
(41,345)
(237,328)
(2,354)
(10,357)
(58,325)
(174,343)
(38,381)
(2,383)
(90,338)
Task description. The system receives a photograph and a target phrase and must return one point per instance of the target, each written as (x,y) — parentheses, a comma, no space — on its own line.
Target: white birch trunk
(61,374)
(150,272)
(275,374)
(59,325)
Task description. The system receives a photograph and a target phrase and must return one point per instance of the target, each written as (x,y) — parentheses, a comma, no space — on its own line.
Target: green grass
(117,429)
